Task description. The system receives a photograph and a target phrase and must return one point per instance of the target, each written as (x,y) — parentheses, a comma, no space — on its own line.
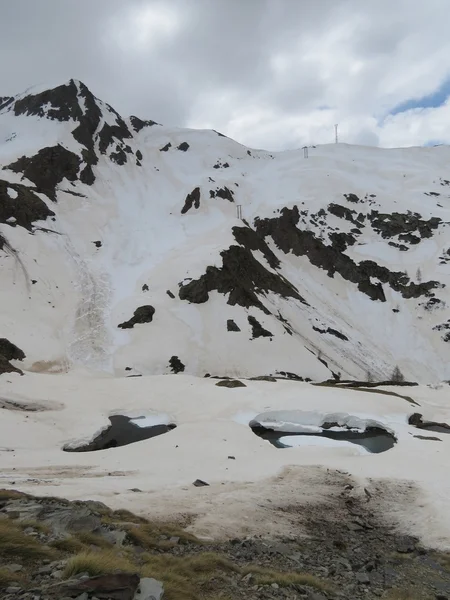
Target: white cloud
(260,71)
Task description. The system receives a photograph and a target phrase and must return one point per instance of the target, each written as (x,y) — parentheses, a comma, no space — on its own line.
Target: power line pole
(336,133)
(305,151)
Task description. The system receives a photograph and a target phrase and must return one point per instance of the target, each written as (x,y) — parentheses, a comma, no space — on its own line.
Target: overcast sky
(270,73)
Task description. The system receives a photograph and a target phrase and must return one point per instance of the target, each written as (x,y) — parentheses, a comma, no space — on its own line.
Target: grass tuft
(37,525)
(149,535)
(13,542)
(98,563)
(70,544)
(11,495)
(92,539)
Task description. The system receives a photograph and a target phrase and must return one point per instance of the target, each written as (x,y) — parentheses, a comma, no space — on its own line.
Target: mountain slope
(121,249)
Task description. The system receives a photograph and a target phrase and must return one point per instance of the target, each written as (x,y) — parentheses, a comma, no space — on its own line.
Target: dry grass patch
(70,544)
(122,516)
(93,539)
(184,576)
(6,577)
(37,525)
(11,495)
(13,542)
(98,563)
(265,576)
(149,535)
(443,558)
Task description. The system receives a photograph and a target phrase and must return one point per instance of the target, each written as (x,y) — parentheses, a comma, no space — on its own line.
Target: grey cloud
(219,63)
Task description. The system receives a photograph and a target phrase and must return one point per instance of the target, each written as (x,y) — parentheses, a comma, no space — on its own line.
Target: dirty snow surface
(126,277)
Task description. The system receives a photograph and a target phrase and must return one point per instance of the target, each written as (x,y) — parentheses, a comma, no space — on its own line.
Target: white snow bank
(294,441)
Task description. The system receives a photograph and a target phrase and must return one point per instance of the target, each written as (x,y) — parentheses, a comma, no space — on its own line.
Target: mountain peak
(63,103)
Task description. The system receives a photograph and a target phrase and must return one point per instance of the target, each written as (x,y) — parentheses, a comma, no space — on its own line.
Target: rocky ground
(52,549)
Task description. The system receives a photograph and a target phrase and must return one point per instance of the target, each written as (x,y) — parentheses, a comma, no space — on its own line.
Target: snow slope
(339,264)
(47,412)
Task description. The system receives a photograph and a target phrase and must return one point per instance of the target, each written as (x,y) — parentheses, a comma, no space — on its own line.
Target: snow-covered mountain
(135,248)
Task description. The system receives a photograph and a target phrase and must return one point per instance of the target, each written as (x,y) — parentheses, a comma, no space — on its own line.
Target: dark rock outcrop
(48,168)
(231,325)
(403,225)
(176,365)
(289,238)
(184,146)
(257,329)
(192,199)
(143,314)
(25,208)
(224,193)
(8,352)
(139,124)
(242,277)
(332,331)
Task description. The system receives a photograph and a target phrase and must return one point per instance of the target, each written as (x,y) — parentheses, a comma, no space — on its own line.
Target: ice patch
(294,441)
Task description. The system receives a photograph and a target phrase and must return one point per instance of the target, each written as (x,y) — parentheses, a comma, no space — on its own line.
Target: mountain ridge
(340,257)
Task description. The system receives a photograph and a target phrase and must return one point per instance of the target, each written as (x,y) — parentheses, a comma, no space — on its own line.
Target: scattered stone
(14,568)
(170,294)
(149,589)
(200,483)
(405,546)
(231,383)
(232,458)
(174,539)
(120,586)
(362,578)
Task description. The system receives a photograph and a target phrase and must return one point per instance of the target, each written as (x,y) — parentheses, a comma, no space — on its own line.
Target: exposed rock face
(390,225)
(257,329)
(48,168)
(21,204)
(224,193)
(139,124)
(289,238)
(143,314)
(9,351)
(242,277)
